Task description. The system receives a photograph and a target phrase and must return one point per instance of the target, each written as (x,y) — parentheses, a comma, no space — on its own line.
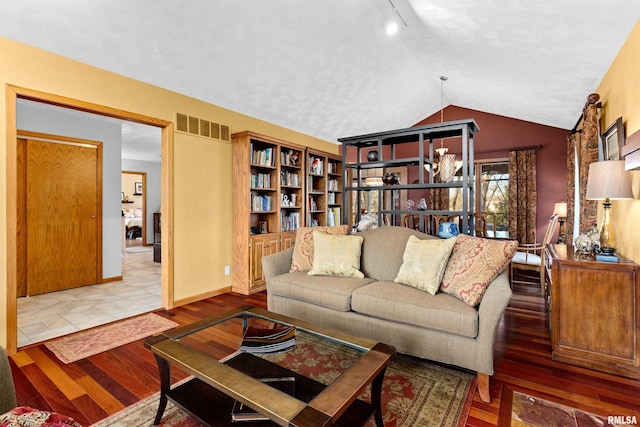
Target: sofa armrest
(276,264)
(492,307)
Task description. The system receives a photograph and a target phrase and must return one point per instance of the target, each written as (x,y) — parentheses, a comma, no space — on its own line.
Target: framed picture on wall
(138,189)
(613,140)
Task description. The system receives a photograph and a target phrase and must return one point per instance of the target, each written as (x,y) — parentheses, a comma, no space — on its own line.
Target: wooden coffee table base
(242,376)
(212,407)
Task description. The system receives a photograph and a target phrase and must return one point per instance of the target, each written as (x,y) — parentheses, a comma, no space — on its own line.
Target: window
(492,196)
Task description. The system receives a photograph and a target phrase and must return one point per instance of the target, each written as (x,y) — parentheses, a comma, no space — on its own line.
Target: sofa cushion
(409,305)
(336,255)
(382,250)
(303,247)
(328,291)
(473,264)
(423,263)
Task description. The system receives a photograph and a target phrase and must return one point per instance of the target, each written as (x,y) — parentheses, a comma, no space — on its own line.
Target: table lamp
(607,181)
(560,209)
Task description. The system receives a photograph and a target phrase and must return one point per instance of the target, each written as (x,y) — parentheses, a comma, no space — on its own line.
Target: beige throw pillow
(302,259)
(424,262)
(336,255)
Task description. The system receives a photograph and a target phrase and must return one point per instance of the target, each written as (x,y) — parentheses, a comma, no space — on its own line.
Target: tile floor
(46,316)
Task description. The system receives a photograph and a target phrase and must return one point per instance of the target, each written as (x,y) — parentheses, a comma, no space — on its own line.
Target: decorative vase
(390,178)
(422,205)
(372,156)
(448,229)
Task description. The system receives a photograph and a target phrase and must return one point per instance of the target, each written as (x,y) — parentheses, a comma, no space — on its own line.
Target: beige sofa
(437,327)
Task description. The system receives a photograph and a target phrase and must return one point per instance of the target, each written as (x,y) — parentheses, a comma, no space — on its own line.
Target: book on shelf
(607,257)
(290,221)
(262,157)
(289,157)
(333,217)
(313,206)
(268,340)
(241,412)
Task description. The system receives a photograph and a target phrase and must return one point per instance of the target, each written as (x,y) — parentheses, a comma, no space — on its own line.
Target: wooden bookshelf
(268,203)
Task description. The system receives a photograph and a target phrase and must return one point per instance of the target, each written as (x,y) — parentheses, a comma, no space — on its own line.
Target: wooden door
(61,212)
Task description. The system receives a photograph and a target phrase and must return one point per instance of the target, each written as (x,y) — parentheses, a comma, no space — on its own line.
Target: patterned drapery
(582,147)
(523,200)
(439,198)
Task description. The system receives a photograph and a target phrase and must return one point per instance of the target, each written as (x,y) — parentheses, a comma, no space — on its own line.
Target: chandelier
(447,166)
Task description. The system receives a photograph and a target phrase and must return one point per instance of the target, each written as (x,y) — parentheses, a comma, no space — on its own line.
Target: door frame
(166,191)
(144,202)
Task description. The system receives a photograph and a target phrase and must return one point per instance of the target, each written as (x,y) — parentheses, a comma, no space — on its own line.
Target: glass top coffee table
(249,364)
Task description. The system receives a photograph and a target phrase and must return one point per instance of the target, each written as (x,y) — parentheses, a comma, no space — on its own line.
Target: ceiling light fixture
(442,150)
(447,165)
(390,25)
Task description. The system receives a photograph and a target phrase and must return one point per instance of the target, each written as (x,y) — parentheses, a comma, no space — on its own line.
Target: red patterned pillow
(27,416)
(473,264)
(303,248)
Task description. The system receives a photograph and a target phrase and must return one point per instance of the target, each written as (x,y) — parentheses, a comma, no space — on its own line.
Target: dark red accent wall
(498,134)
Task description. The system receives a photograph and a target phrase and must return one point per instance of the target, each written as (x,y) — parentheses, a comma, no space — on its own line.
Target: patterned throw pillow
(336,255)
(303,247)
(473,264)
(27,416)
(423,263)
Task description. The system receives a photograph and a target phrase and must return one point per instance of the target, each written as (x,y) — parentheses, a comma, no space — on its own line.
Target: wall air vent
(204,128)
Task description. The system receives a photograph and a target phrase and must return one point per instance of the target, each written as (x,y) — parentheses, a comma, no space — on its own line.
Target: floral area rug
(93,341)
(414,392)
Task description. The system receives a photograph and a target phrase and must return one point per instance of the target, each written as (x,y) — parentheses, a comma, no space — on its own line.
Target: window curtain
(438,198)
(582,150)
(523,200)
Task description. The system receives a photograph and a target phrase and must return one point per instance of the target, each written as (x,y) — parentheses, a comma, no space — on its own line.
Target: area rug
(529,411)
(97,340)
(414,391)
(139,249)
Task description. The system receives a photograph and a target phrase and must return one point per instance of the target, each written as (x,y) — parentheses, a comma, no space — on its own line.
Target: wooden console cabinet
(595,311)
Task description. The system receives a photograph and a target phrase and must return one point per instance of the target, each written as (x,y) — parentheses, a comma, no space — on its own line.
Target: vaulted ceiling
(326,67)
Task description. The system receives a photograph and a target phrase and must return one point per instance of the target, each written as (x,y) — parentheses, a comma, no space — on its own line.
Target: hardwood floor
(98,386)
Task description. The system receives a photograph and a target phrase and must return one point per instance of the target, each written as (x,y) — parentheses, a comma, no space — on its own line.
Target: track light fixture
(390,25)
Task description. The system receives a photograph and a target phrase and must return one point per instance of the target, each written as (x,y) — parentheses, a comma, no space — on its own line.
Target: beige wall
(128,187)
(620,95)
(202,167)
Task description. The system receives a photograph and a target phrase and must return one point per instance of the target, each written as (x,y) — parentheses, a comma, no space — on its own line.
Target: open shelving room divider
(387,145)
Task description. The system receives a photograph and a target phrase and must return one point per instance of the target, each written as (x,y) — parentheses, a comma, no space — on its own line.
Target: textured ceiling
(326,67)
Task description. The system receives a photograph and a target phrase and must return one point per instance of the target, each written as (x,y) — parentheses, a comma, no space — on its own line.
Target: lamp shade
(560,209)
(608,180)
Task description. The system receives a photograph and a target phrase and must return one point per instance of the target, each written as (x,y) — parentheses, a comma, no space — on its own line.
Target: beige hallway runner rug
(102,338)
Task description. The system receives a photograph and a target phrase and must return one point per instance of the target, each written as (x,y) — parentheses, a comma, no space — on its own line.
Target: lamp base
(607,251)
(561,239)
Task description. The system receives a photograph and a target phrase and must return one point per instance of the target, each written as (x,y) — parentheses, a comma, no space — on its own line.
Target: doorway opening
(100,112)
(134,209)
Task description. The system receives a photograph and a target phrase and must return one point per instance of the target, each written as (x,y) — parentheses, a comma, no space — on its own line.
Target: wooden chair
(480,225)
(530,257)
(411,221)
